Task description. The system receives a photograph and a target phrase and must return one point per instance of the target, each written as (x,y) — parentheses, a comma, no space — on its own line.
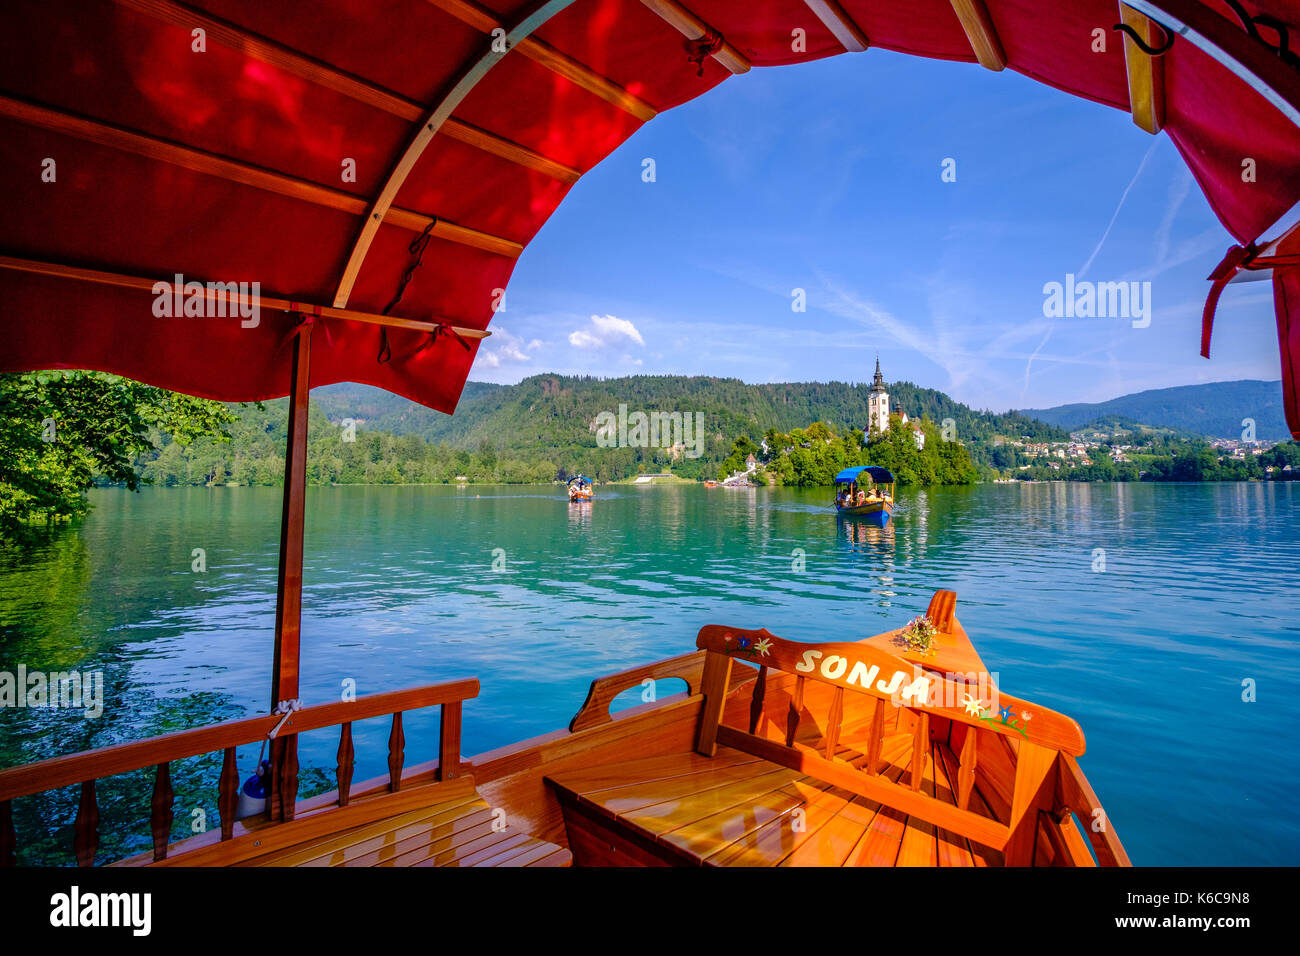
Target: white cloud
(605,331)
(506,348)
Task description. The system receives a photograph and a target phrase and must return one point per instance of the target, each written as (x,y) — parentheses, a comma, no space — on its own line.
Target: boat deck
(767,759)
(739,810)
(461,831)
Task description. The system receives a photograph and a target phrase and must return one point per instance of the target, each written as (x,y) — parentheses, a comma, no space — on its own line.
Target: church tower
(877,404)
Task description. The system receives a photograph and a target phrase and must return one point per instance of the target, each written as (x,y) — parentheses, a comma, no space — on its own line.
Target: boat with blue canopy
(579,488)
(867,492)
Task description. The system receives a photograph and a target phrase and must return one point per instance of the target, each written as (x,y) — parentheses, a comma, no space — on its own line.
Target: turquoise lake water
(1146,643)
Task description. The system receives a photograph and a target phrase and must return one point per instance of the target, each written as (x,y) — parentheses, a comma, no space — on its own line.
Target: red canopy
(306,146)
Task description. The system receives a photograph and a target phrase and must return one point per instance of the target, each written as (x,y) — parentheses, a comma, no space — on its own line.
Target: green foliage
(938,463)
(553,414)
(63,431)
(974,429)
(1279,456)
(811,457)
(335,455)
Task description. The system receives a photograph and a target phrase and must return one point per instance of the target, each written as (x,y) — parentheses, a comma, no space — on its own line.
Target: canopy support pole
(288,604)
(1146,73)
(975,20)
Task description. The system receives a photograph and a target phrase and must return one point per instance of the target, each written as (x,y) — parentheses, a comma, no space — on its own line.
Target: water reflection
(867,538)
(873,549)
(580,515)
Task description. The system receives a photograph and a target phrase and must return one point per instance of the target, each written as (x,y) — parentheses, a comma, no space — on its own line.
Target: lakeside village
(1087,450)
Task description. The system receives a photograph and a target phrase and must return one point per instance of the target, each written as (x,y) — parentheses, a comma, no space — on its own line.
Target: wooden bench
(888,777)
(458,829)
(740,810)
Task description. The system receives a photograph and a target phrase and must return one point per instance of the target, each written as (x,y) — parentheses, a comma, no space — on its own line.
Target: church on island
(878,413)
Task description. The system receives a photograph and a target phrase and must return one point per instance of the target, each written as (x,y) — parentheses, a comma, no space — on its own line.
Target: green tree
(1279,456)
(1195,464)
(63,431)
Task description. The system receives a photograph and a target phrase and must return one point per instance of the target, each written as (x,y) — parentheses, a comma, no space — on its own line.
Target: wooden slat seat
(736,809)
(460,831)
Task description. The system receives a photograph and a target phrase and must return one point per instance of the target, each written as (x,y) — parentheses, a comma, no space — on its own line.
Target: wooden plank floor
(462,831)
(739,810)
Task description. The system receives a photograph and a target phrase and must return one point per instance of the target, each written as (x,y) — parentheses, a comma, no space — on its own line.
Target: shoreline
(679,482)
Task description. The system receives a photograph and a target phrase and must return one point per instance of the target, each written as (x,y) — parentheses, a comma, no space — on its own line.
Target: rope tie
(700,49)
(1236,259)
(307,316)
(441,330)
(288,708)
(417,247)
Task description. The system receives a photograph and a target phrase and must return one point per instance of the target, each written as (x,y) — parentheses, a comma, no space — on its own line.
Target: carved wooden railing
(159,752)
(864,669)
(1075,796)
(595,709)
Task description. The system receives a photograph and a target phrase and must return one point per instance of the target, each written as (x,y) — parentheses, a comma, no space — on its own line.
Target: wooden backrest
(1042,737)
(864,669)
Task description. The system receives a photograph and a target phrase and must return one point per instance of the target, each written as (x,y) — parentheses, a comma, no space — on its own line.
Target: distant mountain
(1119,428)
(556,411)
(381,410)
(1214,410)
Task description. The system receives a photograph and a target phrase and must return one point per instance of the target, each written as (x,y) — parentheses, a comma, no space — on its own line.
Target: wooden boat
(579,487)
(780,753)
(874,503)
(351,296)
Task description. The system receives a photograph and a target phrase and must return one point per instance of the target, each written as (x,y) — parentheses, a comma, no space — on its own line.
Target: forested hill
(545,426)
(556,411)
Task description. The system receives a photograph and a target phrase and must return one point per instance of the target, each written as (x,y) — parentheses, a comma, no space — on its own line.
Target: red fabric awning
(226,164)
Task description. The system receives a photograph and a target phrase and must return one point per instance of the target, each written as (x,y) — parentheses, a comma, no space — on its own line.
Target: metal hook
(1251,26)
(1247,23)
(1136,37)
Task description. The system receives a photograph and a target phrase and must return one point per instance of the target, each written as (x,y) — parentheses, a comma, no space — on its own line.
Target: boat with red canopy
(242,200)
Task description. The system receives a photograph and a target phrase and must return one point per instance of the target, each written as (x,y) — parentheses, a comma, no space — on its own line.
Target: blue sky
(827,177)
